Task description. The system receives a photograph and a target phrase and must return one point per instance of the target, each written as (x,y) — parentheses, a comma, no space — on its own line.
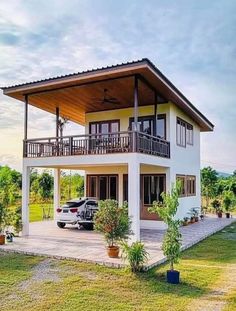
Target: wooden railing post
(71,146)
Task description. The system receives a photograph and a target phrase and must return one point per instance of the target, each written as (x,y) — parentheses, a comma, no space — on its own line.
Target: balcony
(120,142)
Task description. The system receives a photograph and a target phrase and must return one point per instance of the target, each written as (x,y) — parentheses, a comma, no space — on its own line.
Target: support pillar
(57,194)
(25,200)
(120,187)
(134,197)
(57,121)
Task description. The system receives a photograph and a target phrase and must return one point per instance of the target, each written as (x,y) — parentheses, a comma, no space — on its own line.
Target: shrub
(113,221)
(227,200)
(135,254)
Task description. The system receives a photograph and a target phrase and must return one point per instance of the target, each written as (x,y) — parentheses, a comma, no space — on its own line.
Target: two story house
(141,135)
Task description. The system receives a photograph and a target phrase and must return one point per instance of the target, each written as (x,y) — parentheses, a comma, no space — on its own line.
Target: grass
(91,287)
(36,211)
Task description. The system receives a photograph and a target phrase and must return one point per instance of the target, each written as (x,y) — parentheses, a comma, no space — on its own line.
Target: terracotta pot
(219,214)
(113,251)
(2,239)
(192,220)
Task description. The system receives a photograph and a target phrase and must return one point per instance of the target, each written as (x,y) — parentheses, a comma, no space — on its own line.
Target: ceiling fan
(107,99)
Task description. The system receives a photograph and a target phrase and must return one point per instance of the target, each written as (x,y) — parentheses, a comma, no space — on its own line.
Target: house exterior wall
(124,114)
(183,161)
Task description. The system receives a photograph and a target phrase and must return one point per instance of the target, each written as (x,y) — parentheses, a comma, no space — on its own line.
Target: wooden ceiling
(74,102)
(78,94)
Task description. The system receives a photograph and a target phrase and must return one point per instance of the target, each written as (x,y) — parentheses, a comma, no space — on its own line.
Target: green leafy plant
(17,221)
(216,204)
(113,221)
(135,254)
(227,200)
(167,209)
(4,217)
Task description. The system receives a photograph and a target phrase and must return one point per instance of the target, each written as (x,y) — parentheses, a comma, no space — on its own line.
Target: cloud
(192,42)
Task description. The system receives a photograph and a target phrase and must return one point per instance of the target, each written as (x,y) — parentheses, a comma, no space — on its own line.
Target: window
(181,179)
(161,126)
(93,186)
(184,133)
(153,186)
(104,127)
(191,185)
(145,124)
(125,187)
(102,186)
(189,134)
(188,185)
(181,133)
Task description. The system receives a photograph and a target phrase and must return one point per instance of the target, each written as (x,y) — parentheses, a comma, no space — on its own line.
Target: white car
(77,211)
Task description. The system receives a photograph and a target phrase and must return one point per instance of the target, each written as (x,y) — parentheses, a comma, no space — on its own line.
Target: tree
(208,183)
(10,182)
(45,182)
(167,209)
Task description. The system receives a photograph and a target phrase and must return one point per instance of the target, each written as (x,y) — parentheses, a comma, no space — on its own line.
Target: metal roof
(144,61)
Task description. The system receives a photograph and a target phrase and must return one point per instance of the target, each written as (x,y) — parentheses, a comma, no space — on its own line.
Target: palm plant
(135,254)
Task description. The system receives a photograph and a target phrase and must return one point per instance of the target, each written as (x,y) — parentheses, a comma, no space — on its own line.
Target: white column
(25,199)
(134,197)
(56,194)
(120,189)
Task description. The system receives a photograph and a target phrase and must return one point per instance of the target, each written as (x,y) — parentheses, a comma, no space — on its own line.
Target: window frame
(184,124)
(98,125)
(97,176)
(187,179)
(142,185)
(154,119)
(158,117)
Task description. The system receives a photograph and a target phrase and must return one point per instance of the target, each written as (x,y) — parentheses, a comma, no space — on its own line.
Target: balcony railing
(120,142)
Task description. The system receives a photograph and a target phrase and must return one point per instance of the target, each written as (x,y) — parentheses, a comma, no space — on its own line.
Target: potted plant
(185,221)
(227,202)
(135,254)
(3,220)
(113,221)
(171,245)
(216,205)
(195,214)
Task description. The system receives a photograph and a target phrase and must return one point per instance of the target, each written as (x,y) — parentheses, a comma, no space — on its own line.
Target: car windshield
(71,204)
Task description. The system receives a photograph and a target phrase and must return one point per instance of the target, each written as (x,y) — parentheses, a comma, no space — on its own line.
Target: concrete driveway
(47,239)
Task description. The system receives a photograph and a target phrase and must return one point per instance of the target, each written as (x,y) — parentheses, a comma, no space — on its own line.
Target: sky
(191,42)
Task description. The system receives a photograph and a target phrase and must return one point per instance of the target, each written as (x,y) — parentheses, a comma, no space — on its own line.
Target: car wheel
(61,225)
(88,226)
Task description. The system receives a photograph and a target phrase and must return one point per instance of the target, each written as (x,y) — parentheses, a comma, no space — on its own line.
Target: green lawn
(68,285)
(36,211)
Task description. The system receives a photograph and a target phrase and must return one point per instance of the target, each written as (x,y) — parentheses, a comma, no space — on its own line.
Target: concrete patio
(70,243)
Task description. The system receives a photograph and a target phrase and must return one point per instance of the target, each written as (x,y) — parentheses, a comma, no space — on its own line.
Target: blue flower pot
(172,276)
